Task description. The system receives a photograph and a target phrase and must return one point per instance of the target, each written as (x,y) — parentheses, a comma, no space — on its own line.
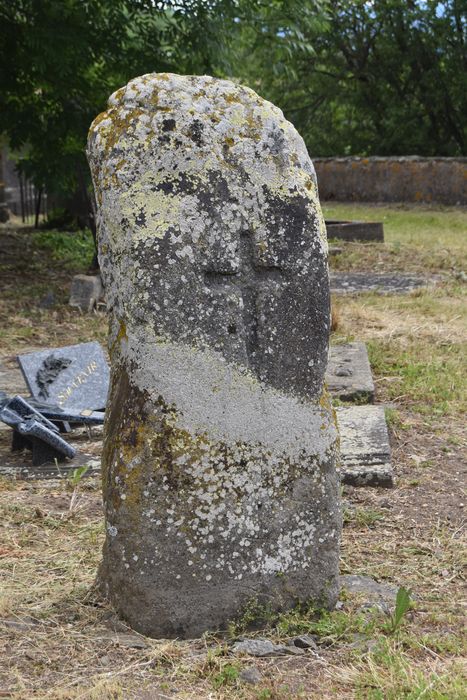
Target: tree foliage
(385,77)
(379,77)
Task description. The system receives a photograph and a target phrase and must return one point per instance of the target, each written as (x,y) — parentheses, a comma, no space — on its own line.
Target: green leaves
(403,602)
(355,77)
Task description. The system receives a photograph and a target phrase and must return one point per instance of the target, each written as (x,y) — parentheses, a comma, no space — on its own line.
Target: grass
(59,638)
(417,345)
(417,239)
(74,250)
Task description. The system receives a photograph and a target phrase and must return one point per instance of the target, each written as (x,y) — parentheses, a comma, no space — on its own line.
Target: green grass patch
(389,673)
(415,237)
(422,227)
(73,249)
(430,377)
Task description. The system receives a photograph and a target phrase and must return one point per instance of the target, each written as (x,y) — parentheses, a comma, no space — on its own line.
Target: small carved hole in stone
(232,328)
(260,505)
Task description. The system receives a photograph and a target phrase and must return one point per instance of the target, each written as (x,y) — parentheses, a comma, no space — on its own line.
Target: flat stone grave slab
(365,449)
(357,282)
(348,375)
(355,230)
(73,377)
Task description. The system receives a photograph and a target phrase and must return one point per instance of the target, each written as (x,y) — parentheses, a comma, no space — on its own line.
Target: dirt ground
(60,640)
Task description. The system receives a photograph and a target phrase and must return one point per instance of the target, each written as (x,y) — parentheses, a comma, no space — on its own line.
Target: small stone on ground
(382,595)
(250,675)
(264,647)
(86,291)
(304,641)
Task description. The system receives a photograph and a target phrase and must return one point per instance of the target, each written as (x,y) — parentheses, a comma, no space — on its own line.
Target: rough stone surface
(219,458)
(304,641)
(356,282)
(264,647)
(250,675)
(382,595)
(365,449)
(86,290)
(393,179)
(348,375)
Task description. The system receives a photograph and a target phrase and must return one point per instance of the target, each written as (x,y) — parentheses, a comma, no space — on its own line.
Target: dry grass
(60,641)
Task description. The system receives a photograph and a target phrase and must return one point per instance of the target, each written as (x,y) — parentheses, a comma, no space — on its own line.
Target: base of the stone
(365,449)
(348,375)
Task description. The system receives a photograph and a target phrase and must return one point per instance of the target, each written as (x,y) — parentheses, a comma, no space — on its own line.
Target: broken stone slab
(365,448)
(348,375)
(355,230)
(74,377)
(382,595)
(358,282)
(219,451)
(51,416)
(33,431)
(86,291)
(264,647)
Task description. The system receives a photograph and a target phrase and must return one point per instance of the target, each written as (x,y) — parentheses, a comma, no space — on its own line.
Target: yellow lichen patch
(120,123)
(161,210)
(119,94)
(122,334)
(231,97)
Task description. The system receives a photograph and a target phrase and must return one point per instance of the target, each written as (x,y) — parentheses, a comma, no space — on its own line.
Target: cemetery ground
(61,641)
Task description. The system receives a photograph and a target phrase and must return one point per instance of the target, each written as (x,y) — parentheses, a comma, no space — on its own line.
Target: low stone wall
(397,179)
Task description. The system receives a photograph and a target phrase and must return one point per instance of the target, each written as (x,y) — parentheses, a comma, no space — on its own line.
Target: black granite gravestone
(32,430)
(75,377)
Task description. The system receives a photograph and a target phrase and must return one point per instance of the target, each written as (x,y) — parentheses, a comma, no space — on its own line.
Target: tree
(386,77)
(61,59)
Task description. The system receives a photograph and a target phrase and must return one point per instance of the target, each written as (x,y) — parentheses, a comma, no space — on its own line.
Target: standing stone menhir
(219,458)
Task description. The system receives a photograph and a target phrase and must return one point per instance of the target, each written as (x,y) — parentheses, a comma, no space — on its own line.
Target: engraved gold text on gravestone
(77,381)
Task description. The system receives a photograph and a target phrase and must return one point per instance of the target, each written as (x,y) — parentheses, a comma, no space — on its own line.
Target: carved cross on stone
(247,279)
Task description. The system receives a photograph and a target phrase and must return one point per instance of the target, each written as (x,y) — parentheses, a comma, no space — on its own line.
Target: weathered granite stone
(365,448)
(348,375)
(219,458)
(382,595)
(250,675)
(86,291)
